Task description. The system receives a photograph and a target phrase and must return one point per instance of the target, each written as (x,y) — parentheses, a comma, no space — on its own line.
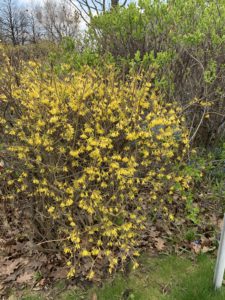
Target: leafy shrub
(94,153)
(186,39)
(120,31)
(74,55)
(214,175)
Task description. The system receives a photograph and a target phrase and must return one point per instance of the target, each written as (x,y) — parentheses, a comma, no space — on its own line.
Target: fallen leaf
(42,282)
(10,267)
(2,242)
(12,278)
(25,278)
(59,273)
(153,233)
(195,247)
(205,241)
(159,244)
(207,249)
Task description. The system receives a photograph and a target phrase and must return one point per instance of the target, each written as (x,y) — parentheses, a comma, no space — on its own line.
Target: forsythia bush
(94,153)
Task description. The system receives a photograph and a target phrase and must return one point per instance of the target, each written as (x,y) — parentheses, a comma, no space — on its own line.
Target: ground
(158,278)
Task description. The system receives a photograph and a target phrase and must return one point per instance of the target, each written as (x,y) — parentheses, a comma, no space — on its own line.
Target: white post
(220,262)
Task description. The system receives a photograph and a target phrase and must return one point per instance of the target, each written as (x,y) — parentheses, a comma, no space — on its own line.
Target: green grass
(161,278)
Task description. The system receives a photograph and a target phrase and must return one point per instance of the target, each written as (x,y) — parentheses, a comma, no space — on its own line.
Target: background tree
(90,8)
(58,19)
(13,22)
(35,31)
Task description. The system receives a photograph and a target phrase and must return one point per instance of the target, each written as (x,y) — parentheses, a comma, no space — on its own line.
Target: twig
(200,123)
(50,241)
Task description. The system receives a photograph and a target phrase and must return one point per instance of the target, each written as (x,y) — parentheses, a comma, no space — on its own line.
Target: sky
(32,3)
(29,1)
(24,3)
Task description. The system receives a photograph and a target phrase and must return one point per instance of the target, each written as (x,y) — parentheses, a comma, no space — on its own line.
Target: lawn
(158,278)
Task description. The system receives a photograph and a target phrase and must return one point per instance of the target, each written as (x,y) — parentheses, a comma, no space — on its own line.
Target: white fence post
(220,262)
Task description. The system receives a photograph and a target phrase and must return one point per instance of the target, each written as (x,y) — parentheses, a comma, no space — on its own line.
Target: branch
(80,12)
(124,3)
(200,123)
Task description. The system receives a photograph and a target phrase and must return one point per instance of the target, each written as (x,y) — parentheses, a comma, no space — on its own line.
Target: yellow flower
(171,217)
(135,265)
(85,253)
(51,209)
(71,273)
(67,250)
(91,275)
(95,251)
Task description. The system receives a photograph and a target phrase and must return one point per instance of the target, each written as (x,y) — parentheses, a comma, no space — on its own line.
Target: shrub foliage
(186,39)
(91,156)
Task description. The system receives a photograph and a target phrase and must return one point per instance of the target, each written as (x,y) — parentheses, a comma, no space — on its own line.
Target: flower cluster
(94,153)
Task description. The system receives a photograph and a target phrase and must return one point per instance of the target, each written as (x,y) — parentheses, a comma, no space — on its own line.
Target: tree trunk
(114,3)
